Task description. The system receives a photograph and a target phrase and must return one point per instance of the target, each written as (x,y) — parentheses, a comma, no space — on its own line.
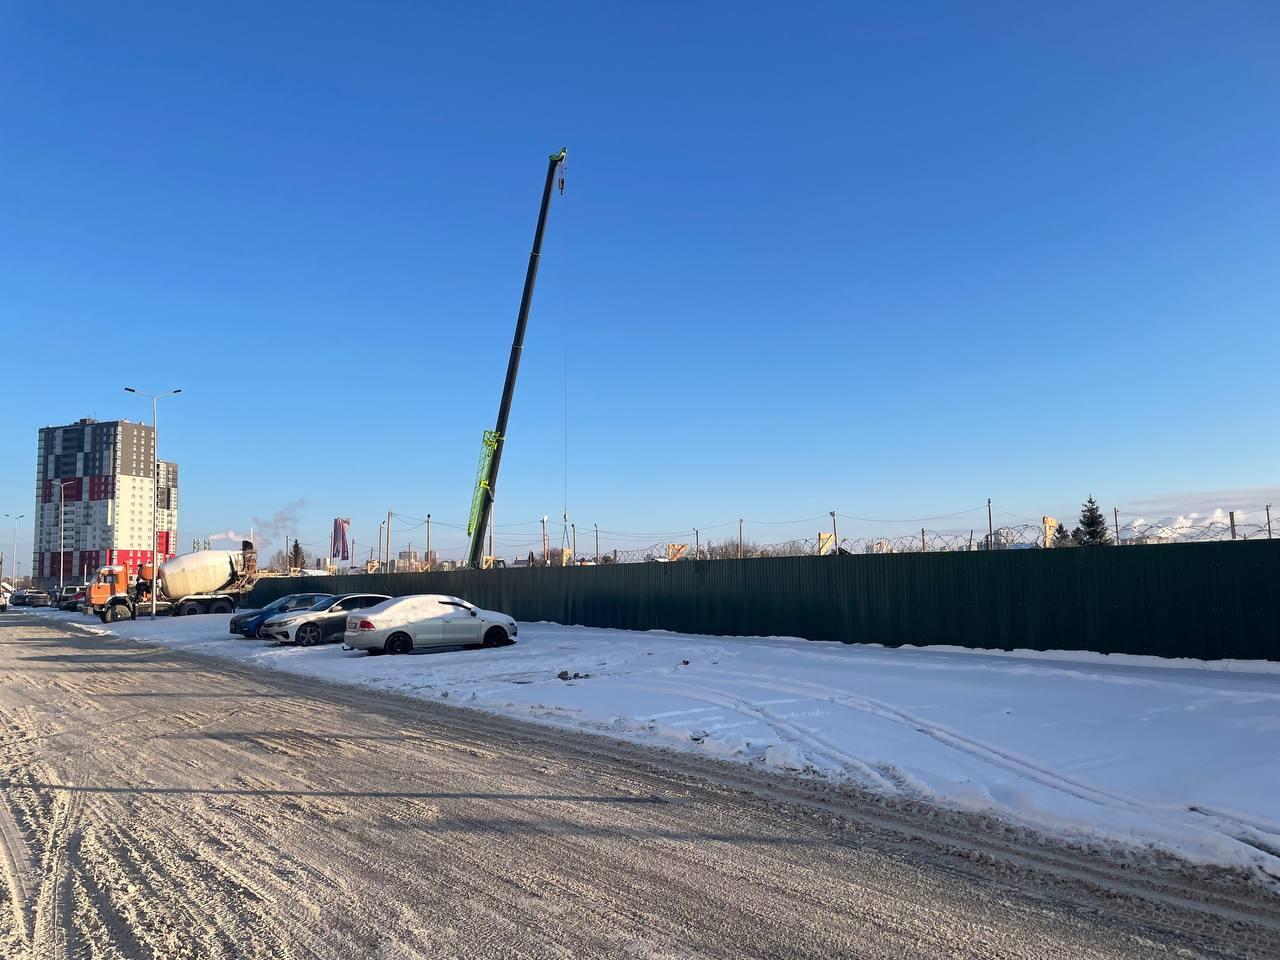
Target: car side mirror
(474,614)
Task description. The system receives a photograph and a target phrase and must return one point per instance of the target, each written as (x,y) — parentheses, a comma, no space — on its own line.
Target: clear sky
(810,257)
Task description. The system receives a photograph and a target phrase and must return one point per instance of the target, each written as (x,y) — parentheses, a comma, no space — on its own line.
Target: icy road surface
(1177,755)
(158,804)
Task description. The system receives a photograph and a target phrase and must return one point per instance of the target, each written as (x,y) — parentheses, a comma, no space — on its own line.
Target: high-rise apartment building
(108,473)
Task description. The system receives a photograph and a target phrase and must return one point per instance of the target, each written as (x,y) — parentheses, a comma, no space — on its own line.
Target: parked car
(71,598)
(322,623)
(247,622)
(38,598)
(426,620)
(19,597)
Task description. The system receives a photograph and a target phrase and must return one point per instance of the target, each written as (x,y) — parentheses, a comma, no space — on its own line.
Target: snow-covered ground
(1179,755)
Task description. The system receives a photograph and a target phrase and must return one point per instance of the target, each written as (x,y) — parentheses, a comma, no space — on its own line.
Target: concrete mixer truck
(206,581)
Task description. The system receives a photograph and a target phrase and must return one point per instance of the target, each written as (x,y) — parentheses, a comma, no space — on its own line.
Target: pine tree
(1061,537)
(1093,525)
(297,560)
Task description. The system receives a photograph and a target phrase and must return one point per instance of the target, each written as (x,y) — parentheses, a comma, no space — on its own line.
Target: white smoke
(283,523)
(227,535)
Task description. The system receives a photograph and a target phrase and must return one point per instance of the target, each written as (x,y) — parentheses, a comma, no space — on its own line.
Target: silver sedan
(426,620)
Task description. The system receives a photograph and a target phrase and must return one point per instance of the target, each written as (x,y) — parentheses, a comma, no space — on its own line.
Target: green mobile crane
(491,447)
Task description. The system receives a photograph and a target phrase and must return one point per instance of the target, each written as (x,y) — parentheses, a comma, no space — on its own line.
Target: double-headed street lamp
(155,484)
(15,520)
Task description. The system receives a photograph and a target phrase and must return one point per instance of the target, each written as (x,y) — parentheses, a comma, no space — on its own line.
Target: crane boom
(491,452)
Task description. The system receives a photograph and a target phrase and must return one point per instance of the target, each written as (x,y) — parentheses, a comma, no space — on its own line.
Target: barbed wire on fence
(1026,536)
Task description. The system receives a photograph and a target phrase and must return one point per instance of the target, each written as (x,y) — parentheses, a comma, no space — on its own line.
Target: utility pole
(155,484)
(1268,523)
(488,486)
(697,546)
(835,537)
(16,519)
(739,538)
(991,533)
(390,567)
(1115,512)
(62,538)
(597,527)
(428,543)
(545,558)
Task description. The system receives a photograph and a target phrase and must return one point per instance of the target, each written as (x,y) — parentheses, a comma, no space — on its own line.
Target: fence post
(1232,515)
(991,533)
(697,546)
(1268,521)
(922,546)
(1115,512)
(835,537)
(739,538)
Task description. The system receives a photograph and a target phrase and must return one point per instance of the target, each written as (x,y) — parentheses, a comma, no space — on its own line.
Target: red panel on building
(90,560)
(102,488)
(131,559)
(74,491)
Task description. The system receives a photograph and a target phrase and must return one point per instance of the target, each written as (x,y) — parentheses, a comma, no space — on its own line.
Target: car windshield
(277,604)
(323,604)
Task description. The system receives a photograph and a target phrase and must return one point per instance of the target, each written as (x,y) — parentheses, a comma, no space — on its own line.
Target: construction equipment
(206,581)
(491,449)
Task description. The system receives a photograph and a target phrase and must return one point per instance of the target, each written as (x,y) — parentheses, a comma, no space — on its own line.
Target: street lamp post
(62,536)
(15,548)
(155,483)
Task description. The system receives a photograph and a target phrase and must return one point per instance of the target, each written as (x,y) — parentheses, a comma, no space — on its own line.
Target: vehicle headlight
(285,623)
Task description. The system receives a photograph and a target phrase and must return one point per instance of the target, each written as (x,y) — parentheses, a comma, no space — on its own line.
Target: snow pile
(1179,755)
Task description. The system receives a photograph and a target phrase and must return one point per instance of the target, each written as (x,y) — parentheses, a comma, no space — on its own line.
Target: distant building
(108,475)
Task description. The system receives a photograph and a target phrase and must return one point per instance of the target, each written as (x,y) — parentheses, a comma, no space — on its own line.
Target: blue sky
(831,257)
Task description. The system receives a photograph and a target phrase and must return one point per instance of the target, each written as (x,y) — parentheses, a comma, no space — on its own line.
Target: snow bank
(1176,755)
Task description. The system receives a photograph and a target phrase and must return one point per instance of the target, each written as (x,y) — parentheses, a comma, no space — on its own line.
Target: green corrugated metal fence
(1203,600)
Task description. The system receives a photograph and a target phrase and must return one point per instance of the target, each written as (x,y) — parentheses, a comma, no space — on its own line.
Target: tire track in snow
(1237,829)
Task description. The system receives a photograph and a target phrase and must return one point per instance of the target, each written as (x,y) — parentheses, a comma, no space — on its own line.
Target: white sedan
(427,620)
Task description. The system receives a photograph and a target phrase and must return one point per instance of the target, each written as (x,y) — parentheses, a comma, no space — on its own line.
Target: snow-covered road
(1176,755)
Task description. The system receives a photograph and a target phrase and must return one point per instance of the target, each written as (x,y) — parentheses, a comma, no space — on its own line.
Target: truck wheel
(189,609)
(221,606)
(117,613)
(399,643)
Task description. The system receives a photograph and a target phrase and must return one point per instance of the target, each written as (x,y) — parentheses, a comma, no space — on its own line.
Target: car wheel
(308,635)
(399,643)
(495,637)
(221,606)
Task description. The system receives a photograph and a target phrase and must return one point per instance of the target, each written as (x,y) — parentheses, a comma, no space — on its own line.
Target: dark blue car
(247,622)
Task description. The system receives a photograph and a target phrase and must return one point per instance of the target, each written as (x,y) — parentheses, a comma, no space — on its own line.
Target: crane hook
(562,186)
